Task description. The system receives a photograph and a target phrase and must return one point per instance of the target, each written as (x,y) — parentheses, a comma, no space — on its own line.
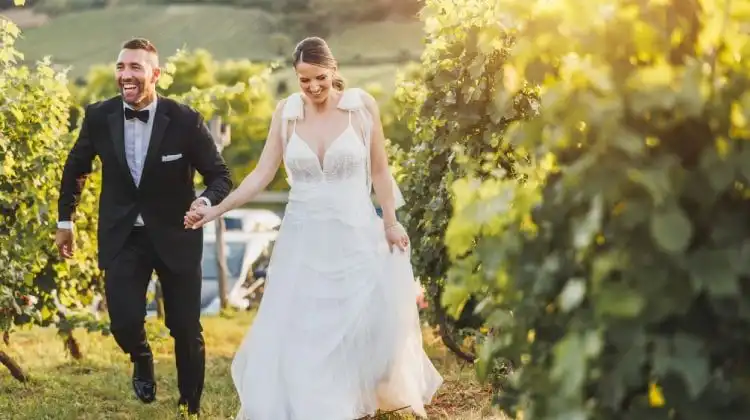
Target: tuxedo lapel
(116,123)
(161,121)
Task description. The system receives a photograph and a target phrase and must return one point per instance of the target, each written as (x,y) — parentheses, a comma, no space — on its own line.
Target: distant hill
(25,18)
(82,39)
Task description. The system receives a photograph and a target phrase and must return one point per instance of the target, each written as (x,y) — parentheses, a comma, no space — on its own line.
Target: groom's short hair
(142,44)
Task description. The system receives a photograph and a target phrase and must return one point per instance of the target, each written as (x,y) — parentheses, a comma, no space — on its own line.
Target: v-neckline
(318,158)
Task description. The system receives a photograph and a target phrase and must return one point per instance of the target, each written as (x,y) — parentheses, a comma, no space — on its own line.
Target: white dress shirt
(137,138)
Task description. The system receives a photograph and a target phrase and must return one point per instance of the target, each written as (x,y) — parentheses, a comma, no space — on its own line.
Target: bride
(337,334)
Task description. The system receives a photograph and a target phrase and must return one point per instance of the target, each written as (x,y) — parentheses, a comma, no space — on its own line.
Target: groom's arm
(77,167)
(208,162)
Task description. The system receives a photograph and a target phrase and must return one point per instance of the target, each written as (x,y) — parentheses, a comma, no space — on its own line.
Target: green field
(98,386)
(92,37)
(378,41)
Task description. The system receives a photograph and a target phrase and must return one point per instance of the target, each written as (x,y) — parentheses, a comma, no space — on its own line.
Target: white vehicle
(247,220)
(249,234)
(242,250)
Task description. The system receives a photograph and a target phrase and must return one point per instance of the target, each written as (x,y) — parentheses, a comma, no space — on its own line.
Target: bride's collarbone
(321,133)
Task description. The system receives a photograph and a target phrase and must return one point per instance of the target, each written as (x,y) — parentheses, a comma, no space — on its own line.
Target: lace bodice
(340,181)
(344,160)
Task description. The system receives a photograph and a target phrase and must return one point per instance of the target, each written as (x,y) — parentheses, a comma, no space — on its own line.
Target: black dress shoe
(144,384)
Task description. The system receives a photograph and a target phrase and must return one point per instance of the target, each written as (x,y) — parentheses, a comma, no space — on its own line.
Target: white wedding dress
(337,335)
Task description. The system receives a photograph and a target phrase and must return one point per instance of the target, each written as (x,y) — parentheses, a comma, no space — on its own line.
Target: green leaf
(570,364)
(17,113)
(694,370)
(593,343)
(715,271)
(685,356)
(586,228)
(720,171)
(630,142)
(454,298)
(670,229)
(572,294)
(603,265)
(691,97)
(619,301)
(656,181)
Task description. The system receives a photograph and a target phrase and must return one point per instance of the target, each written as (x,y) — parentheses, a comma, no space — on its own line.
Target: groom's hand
(199,202)
(65,243)
(191,217)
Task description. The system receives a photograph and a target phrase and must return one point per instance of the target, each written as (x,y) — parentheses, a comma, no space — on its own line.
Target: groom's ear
(156,73)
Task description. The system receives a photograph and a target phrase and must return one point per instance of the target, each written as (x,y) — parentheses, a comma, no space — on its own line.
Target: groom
(149,147)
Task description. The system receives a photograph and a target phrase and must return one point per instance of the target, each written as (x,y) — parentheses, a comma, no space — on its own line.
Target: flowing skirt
(337,335)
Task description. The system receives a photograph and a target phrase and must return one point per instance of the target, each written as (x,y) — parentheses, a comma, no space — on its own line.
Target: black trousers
(126,284)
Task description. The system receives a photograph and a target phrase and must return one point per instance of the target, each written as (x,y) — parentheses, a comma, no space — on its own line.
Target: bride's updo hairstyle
(315,51)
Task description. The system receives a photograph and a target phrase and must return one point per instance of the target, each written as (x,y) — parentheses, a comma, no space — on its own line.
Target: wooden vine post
(222,137)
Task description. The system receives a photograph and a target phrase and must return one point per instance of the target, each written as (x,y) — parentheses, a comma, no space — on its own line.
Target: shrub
(34,138)
(618,273)
(457,113)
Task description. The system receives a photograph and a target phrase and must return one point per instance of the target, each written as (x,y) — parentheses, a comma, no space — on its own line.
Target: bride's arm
(381,172)
(264,172)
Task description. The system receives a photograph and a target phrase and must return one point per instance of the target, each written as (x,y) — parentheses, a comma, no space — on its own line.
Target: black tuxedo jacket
(166,189)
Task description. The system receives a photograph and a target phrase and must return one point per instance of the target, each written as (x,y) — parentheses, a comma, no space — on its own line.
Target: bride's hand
(195,219)
(396,236)
(421,298)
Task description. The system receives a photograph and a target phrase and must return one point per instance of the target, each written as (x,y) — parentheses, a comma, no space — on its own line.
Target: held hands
(199,214)
(396,236)
(197,203)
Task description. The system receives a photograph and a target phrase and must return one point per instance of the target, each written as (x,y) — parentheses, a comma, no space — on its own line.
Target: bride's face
(315,81)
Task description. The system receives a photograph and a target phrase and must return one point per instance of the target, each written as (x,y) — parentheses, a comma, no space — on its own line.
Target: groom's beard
(139,96)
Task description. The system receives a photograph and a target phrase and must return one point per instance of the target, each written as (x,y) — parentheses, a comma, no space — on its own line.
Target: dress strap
(292,111)
(352,101)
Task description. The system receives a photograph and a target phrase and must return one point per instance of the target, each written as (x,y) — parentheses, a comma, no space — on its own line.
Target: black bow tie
(141,115)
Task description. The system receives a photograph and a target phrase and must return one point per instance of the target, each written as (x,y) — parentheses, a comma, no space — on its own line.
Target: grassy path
(98,387)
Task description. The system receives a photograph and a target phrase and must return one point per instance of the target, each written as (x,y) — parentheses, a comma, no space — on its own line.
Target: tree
(457,126)
(617,274)
(35,286)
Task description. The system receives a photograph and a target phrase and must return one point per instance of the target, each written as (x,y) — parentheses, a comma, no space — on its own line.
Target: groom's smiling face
(137,72)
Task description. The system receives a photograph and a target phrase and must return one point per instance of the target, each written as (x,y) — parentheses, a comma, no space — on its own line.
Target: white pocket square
(169,158)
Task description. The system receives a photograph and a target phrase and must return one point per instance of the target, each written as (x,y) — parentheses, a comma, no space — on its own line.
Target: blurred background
(223,42)
(238,52)
(576,176)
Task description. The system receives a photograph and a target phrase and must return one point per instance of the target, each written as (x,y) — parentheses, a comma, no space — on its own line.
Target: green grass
(98,387)
(83,39)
